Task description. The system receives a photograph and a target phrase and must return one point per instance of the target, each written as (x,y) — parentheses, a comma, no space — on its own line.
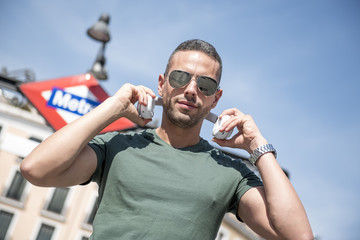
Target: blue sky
(293,65)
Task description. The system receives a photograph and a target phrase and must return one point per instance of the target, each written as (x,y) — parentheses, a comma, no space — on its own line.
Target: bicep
(82,169)
(252,210)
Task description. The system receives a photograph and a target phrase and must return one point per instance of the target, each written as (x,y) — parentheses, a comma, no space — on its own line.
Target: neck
(179,137)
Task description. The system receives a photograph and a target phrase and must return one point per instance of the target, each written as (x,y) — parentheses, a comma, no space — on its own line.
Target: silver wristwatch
(260,151)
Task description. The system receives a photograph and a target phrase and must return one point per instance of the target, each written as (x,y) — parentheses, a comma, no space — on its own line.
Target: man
(169,183)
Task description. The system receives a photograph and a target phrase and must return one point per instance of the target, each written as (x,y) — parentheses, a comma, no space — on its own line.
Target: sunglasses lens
(207,85)
(178,79)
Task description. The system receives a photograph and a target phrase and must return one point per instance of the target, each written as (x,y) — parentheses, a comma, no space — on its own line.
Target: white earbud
(216,133)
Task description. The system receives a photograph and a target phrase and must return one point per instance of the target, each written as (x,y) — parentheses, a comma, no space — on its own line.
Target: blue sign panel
(70,102)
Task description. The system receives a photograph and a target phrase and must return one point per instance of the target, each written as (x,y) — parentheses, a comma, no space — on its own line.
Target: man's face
(186,107)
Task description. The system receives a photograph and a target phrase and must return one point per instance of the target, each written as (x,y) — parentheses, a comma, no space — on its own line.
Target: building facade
(37,213)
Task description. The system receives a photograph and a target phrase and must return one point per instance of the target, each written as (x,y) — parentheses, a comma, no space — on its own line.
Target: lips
(187,104)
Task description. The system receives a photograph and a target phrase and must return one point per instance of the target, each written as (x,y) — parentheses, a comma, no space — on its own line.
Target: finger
(142,122)
(224,142)
(232,122)
(221,142)
(143,93)
(231,112)
(237,141)
(140,95)
(150,92)
(225,125)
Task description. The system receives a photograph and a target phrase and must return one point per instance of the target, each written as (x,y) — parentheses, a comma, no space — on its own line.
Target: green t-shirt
(150,190)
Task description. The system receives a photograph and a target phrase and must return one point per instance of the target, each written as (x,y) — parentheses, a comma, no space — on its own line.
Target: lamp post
(100,32)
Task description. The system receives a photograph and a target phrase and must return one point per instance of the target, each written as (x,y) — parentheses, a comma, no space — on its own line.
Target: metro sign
(63,100)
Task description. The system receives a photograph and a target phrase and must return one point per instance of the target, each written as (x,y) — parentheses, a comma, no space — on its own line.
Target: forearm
(284,208)
(58,152)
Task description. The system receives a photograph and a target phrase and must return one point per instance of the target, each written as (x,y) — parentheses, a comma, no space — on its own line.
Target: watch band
(261,151)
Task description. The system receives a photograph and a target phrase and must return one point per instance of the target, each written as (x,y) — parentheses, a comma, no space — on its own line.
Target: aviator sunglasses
(206,85)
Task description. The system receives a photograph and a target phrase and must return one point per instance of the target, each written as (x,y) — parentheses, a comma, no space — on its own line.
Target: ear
(218,95)
(161,82)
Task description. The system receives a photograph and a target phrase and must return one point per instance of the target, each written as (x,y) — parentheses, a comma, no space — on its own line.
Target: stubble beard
(181,119)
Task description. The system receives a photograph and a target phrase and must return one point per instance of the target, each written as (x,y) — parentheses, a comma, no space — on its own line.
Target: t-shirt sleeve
(99,145)
(249,181)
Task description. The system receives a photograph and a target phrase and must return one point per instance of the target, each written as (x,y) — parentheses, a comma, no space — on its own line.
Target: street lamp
(100,32)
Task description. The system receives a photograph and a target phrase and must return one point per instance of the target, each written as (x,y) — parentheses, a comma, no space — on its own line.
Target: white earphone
(147,112)
(216,129)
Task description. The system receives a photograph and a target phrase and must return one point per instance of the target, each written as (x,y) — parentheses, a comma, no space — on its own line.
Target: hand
(126,97)
(248,136)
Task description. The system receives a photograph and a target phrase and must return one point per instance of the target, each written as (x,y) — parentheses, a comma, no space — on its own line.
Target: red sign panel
(61,101)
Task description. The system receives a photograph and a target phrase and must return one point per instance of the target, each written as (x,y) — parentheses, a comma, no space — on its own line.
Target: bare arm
(275,210)
(64,158)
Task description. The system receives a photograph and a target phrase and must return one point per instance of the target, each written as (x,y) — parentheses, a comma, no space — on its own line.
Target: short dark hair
(197,45)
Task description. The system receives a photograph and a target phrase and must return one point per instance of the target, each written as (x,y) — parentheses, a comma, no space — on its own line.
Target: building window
(220,236)
(5,220)
(223,234)
(17,187)
(46,232)
(35,139)
(57,201)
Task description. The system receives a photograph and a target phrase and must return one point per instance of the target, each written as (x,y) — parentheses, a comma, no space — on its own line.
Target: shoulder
(226,160)
(104,137)
(130,136)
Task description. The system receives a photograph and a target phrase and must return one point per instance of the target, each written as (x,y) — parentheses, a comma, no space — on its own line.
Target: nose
(191,88)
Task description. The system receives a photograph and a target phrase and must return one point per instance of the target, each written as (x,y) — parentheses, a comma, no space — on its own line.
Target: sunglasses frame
(189,77)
